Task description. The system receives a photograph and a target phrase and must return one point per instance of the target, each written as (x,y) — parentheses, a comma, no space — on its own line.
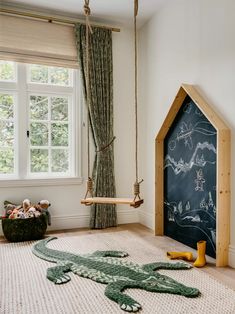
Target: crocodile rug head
(24,287)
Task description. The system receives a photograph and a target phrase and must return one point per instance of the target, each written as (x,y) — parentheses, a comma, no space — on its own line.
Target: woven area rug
(24,288)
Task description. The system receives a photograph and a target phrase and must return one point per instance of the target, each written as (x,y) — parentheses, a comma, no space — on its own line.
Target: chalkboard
(190,178)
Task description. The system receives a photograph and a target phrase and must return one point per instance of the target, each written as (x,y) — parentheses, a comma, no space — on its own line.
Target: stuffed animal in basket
(43,205)
(27,210)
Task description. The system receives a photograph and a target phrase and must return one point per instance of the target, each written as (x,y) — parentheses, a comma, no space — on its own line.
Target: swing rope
(137,182)
(134,202)
(136,98)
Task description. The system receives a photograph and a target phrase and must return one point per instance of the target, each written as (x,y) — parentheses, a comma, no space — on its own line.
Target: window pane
(38,107)
(6,161)
(38,73)
(6,106)
(60,162)
(39,160)
(39,134)
(59,108)
(6,133)
(7,71)
(59,76)
(59,134)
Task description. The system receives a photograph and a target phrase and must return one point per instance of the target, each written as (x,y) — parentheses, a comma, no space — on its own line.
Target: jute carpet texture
(24,288)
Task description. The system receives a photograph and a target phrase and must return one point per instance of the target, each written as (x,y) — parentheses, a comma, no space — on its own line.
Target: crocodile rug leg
(114,292)
(57,274)
(160,265)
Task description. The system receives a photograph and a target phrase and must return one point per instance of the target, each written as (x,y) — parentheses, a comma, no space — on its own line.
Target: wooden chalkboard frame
(223,170)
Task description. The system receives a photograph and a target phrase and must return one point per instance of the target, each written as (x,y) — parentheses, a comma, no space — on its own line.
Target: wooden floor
(226,275)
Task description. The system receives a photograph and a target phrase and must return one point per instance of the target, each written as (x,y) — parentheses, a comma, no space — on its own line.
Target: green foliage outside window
(49,75)
(6,106)
(38,73)
(7,72)
(59,108)
(59,134)
(39,134)
(60,160)
(59,76)
(6,161)
(6,134)
(39,160)
(38,107)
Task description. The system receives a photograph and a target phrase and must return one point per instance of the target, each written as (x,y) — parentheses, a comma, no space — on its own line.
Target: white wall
(66,210)
(192,42)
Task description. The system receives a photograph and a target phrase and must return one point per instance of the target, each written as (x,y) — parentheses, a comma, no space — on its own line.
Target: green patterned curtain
(101,118)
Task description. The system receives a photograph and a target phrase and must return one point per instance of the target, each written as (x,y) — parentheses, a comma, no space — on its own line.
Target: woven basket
(17,230)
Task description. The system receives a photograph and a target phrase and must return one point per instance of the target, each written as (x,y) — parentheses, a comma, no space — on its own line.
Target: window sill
(40,182)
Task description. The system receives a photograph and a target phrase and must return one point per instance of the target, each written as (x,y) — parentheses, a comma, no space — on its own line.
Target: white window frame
(22,88)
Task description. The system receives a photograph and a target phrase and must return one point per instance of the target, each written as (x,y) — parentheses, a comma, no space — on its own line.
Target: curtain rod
(53,19)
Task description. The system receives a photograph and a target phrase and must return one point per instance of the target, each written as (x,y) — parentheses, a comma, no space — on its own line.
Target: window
(39,136)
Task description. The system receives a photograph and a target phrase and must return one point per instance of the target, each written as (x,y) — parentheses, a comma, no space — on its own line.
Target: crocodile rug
(24,288)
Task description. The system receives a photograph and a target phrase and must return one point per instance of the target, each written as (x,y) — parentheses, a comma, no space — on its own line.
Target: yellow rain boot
(201,251)
(188,256)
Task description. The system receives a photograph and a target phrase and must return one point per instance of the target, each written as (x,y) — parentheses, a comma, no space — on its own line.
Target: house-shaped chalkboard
(192,195)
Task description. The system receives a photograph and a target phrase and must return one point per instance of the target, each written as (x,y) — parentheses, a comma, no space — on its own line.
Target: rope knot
(89,185)
(87,10)
(137,188)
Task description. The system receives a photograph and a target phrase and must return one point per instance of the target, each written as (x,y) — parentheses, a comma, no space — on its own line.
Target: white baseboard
(69,222)
(83,220)
(231,257)
(146,219)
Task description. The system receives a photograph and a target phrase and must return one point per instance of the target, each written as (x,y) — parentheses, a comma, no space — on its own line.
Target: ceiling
(113,12)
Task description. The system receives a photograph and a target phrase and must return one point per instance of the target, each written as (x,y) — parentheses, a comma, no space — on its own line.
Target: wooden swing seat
(112,200)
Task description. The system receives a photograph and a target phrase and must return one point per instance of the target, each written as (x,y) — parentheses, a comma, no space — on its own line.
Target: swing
(135,201)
